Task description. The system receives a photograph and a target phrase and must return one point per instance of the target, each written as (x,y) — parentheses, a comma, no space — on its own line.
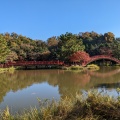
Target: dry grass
(93,67)
(10,70)
(95,106)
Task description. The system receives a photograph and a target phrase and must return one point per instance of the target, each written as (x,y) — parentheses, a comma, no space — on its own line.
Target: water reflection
(108,85)
(67,82)
(106,74)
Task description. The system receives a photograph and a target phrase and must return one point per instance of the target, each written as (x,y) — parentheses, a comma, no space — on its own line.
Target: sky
(42,19)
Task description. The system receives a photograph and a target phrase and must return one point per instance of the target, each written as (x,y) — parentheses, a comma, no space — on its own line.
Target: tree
(92,40)
(105,51)
(40,47)
(52,44)
(52,41)
(116,50)
(68,44)
(12,56)
(3,49)
(79,56)
(109,37)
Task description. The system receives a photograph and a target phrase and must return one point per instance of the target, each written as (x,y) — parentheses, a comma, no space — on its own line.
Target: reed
(90,106)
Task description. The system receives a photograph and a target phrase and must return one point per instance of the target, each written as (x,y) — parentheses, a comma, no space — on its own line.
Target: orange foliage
(79,56)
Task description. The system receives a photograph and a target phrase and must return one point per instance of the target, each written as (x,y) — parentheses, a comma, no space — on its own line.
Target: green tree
(3,49)
(68,44)
(116,49)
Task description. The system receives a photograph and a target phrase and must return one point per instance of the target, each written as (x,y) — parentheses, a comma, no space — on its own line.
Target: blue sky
(41,19)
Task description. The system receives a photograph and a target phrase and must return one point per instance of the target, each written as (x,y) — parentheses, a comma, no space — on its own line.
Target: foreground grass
(95,106)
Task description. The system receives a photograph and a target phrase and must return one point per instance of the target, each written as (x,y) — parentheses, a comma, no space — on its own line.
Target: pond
(22,89)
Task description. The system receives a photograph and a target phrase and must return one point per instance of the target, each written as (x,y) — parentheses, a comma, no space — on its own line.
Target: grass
(10,70)
(95,106)
(74,67)
(91,67)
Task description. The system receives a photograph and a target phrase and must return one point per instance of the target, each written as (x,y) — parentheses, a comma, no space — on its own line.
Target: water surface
(20,90)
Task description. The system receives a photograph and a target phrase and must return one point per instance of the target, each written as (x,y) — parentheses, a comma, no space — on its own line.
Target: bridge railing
(105,56)
(27,63)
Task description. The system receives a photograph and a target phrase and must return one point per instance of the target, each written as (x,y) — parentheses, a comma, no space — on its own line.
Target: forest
(14,47)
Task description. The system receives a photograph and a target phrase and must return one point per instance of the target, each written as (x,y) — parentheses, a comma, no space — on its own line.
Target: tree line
(14,47)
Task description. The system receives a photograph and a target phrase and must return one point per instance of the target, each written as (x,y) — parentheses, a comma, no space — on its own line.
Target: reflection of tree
(68,82)
(72,82)
(108,85)
(21,79)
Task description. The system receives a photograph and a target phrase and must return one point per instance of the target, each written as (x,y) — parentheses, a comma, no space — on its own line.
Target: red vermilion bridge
(99,57)
(31,63)
(47,63)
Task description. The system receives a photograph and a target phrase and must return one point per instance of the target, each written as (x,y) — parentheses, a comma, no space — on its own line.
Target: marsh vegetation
(92,106)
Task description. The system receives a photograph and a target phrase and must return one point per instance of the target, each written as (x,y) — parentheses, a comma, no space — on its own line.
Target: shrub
(93,67)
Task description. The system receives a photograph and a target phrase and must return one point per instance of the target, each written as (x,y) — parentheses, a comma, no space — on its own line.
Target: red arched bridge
(47,63)
(99,57)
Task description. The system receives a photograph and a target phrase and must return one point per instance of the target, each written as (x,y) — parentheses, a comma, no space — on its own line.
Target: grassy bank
(91,67)
(95,106)
(4,70)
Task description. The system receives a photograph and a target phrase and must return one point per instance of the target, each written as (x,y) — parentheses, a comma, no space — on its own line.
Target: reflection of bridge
(103,75)
(99,57)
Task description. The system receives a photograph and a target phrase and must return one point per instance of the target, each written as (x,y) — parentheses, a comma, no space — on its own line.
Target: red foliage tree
(79,56)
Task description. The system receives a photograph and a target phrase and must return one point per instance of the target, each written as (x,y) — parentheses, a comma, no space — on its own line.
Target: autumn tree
(12,56)
(52,41)
(52,44)
(109,37)
(79,56)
